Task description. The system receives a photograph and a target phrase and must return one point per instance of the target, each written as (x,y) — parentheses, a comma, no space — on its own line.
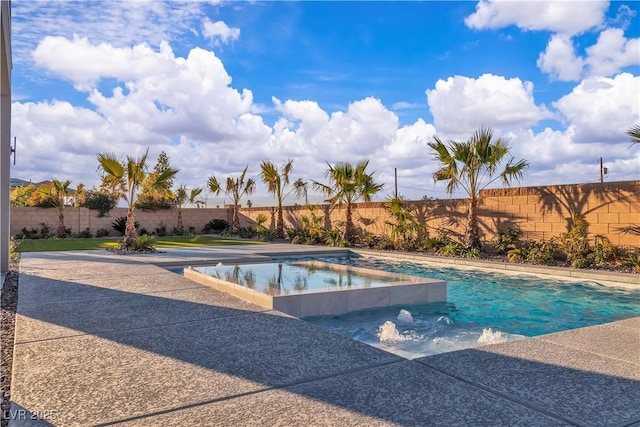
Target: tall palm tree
(277,181)
(634,133)
(235,188)
(124,178)
(56,194)
(348,184)
(181,198)
(473,165)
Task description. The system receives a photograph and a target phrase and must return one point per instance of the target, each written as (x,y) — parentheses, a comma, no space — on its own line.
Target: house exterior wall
(5,131)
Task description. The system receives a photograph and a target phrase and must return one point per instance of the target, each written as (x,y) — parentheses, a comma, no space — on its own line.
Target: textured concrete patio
(103,339)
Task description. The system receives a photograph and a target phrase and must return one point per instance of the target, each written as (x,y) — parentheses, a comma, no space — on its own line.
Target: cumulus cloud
(559,59)
(612,52)
(461,104)
(219,32)
(568,17)
(601,109)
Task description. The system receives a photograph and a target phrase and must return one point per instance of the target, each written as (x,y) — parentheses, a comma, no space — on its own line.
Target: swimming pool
(482,307)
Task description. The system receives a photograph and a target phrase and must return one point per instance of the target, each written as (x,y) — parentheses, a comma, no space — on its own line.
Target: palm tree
(277,182)
(55,194)
(348,184)
(124,178)
(235,188)
(634,133)
(300,187)
(181,198)
(467,164)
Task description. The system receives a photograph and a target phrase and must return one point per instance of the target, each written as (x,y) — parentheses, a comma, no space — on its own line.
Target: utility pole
(395,174)
(603,171)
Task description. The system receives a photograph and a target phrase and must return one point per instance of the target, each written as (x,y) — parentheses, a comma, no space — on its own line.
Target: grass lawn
(41,245)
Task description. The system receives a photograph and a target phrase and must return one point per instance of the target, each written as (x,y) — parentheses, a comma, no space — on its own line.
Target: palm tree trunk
(130,229)
(61,229)
(235,226)
(180,226)
(348,228)
(280,224)
(473,237)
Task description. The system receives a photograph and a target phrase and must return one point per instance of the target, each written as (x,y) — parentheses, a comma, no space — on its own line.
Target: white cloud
(601,109)
(559,59)
(612,52)
(219,32)
(462,104)
(568,17)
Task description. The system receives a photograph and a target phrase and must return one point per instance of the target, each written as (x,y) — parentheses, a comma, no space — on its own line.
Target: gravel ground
(8,306)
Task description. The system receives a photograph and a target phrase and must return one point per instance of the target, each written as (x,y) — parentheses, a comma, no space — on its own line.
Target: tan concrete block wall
(539,212)
(79,219)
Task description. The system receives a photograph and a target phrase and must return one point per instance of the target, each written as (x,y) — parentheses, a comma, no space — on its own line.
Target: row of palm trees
(470,165)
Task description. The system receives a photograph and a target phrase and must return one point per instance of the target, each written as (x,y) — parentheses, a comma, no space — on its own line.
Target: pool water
(283,278)
(482,308)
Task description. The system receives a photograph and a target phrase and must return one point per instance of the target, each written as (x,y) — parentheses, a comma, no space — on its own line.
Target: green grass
(42,245)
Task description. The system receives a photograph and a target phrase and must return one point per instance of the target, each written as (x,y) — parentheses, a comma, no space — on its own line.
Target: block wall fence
(539,212)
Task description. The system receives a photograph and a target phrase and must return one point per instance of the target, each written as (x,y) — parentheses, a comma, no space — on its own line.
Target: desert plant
(235,188)
(347,185)
(575,243)
(55,194)
(144,243)
(161,230)
(125,177)
(267,235)
(406,230)
(633,260)
(120,224)
(103,232)
(335,238)
(181,198)
(506,241)
(543,252)
(467,164)
(85,234)
(277,181)
(260,221)
(215,226)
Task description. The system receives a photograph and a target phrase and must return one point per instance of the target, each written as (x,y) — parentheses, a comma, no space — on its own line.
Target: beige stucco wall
(79,219)
(539,212)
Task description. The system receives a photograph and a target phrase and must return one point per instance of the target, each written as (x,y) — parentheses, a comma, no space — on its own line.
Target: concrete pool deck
(103,339)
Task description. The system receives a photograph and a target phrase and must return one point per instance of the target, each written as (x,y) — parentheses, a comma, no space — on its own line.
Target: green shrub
(215,226)
(161,230)
(85,234)
(247,233)
(120,224)
(335,238)
(543,253)
(633,260)
(267,235)
(451,249)
(505,241)
(143,243)
(102,232)
(99,201)
(14,249)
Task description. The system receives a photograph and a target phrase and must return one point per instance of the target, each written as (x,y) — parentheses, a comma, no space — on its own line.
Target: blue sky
(222,85)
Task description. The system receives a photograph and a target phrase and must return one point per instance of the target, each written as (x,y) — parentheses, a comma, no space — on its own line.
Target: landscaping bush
(101,202)
(161,230)
(102,232)
(85,234)
(215,226)
(120,224)
(506,241)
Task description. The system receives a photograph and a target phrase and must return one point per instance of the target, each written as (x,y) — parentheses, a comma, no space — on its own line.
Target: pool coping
(407,289)
(608,278)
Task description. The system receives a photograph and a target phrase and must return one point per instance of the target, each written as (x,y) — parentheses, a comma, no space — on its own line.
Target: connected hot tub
(314,288)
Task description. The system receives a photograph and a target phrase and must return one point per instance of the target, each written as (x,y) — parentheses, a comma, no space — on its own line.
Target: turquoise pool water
(482,307)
